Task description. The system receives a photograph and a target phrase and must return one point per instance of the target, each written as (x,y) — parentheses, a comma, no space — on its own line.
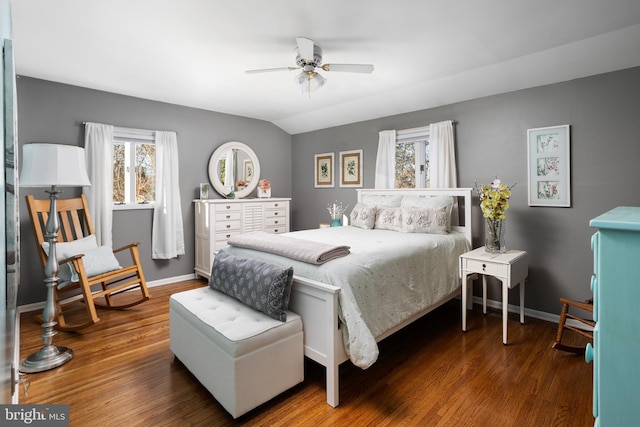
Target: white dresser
(217,220)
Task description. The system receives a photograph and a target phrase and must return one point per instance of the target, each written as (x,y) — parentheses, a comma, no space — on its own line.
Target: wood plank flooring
(429,374)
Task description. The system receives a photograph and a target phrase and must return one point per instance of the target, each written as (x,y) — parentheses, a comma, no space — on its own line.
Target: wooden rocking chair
(562,325)
(75,224)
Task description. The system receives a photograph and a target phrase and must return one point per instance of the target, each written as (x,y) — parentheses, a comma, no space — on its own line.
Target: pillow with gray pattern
(258,284)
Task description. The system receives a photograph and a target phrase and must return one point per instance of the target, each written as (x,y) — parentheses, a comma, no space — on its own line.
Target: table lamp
(51,165)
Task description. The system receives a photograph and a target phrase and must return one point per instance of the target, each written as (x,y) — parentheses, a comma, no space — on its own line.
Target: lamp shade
(44,165)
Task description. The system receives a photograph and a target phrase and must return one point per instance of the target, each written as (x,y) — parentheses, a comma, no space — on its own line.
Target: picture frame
(248,170)
(204,190)
(549,166)
(351,168)
(323,170)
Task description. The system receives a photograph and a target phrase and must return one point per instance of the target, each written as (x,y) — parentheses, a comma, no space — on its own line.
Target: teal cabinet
(616,292)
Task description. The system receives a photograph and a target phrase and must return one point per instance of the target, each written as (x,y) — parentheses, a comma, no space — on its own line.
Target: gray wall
(604,114)
(53,112)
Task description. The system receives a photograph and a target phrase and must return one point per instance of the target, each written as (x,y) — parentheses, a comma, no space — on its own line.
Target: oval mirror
(234,167)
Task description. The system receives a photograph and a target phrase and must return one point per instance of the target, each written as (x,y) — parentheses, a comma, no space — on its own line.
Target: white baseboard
(542,315)
(40,305)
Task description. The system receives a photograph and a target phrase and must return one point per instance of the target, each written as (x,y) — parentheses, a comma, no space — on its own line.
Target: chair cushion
(66,272)
(96,260)
(258,284)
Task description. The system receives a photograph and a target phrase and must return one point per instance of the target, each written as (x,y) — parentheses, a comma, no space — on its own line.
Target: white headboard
(461,195)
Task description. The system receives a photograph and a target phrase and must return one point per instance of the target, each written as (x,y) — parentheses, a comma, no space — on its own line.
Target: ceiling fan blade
(269,70)
(349,68)
(305,48)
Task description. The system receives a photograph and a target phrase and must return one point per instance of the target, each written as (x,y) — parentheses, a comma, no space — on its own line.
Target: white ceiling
(426,53)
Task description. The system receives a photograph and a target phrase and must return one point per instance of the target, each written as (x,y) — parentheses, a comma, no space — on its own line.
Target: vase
(336,222)
(494,236)
(264,194)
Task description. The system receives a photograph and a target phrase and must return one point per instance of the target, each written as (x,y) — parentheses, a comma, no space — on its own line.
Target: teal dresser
(616,296)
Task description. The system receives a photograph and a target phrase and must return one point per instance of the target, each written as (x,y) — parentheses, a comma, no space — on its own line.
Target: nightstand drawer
(485,267)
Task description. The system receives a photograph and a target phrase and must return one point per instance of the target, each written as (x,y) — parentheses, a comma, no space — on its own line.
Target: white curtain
(386,160)
(167,239)
(443,156)
(98,144)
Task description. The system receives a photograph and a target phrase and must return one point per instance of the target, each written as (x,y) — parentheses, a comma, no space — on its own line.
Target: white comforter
(388,277)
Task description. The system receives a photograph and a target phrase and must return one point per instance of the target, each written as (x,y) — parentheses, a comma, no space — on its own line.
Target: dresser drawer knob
(588,353)
(228,235)
(484,266)
(228,225)
(276,205)
(275,213)
(228,206)
(228,216)
(275,222)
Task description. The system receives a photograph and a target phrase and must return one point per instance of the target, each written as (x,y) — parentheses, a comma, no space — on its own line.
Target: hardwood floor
(429,374)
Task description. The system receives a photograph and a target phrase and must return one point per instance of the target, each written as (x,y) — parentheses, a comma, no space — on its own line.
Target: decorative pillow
(96,261)
(391,201)
(432,202)
(427,220)
(389,219)
(363,216)
(258,284)
(66,272)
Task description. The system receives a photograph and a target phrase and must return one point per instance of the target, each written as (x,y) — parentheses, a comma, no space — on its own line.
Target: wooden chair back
(73,216)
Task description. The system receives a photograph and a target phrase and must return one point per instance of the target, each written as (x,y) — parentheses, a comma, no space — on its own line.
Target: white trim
(541,315)
(27,308)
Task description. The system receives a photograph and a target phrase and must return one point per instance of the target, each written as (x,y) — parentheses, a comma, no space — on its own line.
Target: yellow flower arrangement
(494,201)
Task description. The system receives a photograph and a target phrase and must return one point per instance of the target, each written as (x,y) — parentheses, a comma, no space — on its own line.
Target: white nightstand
(511,268)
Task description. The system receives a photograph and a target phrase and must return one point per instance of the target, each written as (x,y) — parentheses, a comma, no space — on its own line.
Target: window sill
(129,207)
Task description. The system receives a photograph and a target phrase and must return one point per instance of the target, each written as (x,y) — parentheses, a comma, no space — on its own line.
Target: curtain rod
(137,130)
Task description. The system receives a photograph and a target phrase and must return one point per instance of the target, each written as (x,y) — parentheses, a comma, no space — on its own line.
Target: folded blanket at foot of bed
(299,249)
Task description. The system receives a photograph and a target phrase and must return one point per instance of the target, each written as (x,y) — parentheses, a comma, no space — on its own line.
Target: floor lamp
(51,165)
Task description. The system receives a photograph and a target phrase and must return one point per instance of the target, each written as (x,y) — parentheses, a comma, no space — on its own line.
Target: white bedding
(388,277)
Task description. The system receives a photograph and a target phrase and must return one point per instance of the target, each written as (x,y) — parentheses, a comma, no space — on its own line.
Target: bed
(407,274)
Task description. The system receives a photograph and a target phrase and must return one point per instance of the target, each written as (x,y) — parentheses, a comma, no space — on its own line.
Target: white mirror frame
(213,169)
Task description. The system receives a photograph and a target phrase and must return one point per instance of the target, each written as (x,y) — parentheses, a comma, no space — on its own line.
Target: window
(412,158)
(134,169)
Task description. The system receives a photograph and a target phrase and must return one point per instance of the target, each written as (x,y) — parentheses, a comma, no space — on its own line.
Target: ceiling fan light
(310,81)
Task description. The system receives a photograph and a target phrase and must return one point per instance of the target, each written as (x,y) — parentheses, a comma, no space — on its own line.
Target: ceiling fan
(308,58)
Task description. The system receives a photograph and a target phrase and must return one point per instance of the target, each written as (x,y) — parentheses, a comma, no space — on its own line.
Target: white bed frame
(317,303)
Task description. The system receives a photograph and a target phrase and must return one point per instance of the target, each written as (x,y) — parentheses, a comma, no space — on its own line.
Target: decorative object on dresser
(510,268)
(549,166)
(264,189)
(616,293)
(204,190)
(323,169)
(217,220)
(494,201)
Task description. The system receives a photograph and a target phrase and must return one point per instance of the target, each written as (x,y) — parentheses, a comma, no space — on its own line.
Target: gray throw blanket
(299,249)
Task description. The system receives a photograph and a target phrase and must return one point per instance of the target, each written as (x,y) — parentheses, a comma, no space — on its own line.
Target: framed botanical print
(324,170)
(549,166)
(351,168)
(248,170)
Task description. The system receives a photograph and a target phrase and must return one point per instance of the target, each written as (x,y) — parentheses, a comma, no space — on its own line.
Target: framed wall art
(351,168)
(549,166)
(324,170)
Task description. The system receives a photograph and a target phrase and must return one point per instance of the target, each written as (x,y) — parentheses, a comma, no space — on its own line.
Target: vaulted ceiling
(426,53)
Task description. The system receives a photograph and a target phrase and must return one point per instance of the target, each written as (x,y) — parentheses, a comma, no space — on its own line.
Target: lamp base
(48,357)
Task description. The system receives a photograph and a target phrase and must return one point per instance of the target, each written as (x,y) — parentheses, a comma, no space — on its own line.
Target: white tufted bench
(242,356)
